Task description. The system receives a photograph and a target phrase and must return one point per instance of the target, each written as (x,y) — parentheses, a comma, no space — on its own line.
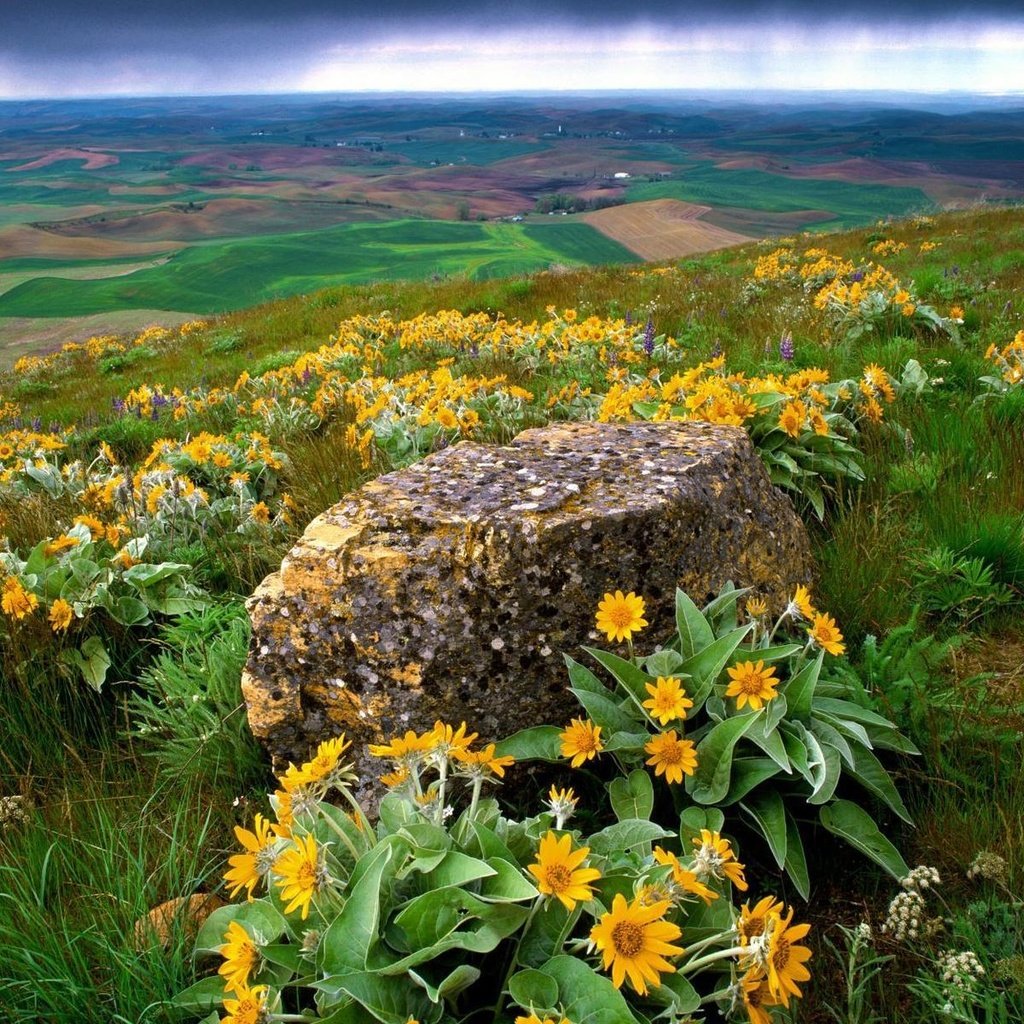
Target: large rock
(452,588)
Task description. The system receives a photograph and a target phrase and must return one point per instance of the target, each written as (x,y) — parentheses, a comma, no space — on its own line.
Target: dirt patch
(663,228)
(91,161)
(24,240)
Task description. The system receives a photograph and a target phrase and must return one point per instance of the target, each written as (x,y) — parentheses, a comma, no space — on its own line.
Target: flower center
(671,753)
(780,957)
(306,875)
(753,927)
(558,877)
(628,938)
(751,683)
(585,741)
(621,616)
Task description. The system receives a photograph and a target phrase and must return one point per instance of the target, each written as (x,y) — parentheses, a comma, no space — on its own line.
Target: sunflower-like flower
(241,958)
(634,939)
(671,756)
(61,615)
(793,417)
(668,699)
(825,633)
(756,607)
(301,874)
(752,683)
(249,1008)
(753,923)
(534,1019)
(800,606)
(784,960)
(408,751)
(477,762)
(757,997)
(714,858)
(448,740)
(326,762)
(581,741)
(562,804)
(17,602)
(246,869)
(682,879)
(620,615)
(558,870)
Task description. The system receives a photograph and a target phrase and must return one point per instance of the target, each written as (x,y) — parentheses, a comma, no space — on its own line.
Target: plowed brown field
(663,228)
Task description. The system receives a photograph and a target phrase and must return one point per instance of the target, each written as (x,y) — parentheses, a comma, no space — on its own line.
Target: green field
(852,204)
(225,275)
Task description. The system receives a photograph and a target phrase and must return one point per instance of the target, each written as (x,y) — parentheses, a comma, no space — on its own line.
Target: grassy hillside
(219,276)
(878,372)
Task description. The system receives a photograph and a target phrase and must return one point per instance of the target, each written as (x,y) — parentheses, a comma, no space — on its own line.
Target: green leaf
(848,710)
(507,884)
(747,774)
(203,996)
(710,781)
(676,991)
(694,819)
(708,663)
(776,653)
(91,660)
(625,672)
(128,611)
(541,743)
(624,835)
(663,663)
(769,814)
(347,942)
(457,869)
(581,678)
(852,823)
(585,996)
(451,985)
(534,990)
(145,575)
(799,691)
(775,713)
(796,859)
(390,1000)
(605,712)
(770,742)
(632,797)
(833,738)
(695,632)
(721,611)
(546,935)
(260,919)
(868,771)
(395,813)
(824,786)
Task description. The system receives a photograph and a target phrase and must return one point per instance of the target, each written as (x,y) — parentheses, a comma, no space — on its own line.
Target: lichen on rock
(450,589)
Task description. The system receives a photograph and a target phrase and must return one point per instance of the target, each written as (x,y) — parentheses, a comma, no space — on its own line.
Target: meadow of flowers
(715,836)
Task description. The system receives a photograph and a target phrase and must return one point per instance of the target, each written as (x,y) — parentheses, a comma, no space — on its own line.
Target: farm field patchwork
(249,198)
(224,275)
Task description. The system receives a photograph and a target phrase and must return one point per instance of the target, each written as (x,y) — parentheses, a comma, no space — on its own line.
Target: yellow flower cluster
(888,247)
(1009,360)
(850,295)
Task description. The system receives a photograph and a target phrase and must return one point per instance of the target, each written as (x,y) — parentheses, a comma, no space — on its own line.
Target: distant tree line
(559,202)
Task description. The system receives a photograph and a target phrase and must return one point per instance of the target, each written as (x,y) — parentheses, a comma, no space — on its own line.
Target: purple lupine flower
(118,404)
(307,373)
(37,424)
(857,275)
(159,401)
(629,317)
(649,337)
(717,350)
(786,348)
(54,427)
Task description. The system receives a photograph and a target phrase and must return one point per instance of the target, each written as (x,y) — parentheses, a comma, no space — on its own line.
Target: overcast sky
(158,47)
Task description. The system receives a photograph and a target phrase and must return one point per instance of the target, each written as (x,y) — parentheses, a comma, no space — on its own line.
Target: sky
(71,48)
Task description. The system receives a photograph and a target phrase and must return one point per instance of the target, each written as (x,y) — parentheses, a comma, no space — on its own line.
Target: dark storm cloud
(47,27)
(75,47)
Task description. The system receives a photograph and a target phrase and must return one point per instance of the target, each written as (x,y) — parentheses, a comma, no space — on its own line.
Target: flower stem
(722,954)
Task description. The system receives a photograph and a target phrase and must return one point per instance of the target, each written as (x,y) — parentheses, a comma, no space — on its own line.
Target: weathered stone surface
(451,589)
